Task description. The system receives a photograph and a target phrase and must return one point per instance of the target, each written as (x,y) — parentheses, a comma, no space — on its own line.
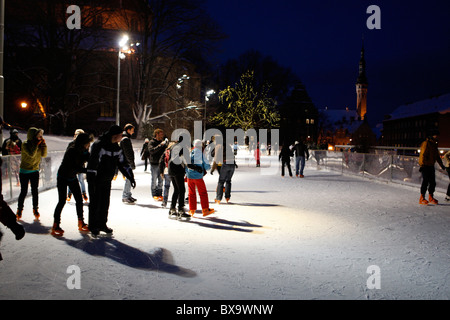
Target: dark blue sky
(407,60)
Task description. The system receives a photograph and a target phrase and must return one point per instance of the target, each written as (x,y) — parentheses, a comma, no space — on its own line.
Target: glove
(133,183)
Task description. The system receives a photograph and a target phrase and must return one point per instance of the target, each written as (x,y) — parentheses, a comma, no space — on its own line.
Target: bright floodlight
(123,41)
(210,92)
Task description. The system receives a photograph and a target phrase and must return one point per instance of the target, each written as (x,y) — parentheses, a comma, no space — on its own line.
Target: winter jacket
(285,154)
(32,151)
(301,150)
(177,162)
(429,154)
(198,165)
(73,161)
(156,149)
(145,154)
(105,158)
(127,148)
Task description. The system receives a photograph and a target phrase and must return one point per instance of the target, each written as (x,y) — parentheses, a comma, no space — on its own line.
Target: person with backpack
(429,155)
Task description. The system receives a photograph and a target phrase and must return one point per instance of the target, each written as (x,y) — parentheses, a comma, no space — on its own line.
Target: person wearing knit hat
(106,156)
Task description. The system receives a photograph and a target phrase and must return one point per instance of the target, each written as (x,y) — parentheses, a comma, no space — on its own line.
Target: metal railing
(47,173)
(383,167)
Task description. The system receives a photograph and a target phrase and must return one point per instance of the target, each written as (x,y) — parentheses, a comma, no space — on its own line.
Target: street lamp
(207,95)
(24,105)
(122,46)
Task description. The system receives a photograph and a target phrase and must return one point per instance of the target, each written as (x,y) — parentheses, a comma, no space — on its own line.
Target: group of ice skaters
(113,152)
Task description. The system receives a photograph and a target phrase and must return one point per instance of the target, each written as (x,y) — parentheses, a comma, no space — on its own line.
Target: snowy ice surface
(278,239)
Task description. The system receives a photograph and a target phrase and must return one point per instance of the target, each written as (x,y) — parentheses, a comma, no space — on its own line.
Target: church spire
(361,87)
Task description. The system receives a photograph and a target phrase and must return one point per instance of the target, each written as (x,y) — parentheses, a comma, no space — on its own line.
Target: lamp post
(2,86)
(207,95)
(120,55)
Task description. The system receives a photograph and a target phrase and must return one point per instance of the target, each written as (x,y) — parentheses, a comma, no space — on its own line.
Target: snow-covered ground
(278,239)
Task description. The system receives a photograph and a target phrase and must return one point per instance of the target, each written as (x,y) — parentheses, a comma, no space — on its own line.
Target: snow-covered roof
(439,104)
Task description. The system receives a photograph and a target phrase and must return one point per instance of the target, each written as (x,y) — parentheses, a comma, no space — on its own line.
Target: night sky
(407,60)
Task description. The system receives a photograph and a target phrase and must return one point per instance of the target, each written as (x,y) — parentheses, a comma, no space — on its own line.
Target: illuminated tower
(361,87)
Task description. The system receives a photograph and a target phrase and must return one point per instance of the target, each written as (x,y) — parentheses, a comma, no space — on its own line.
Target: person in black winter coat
(7,216)
(301,154)
(106,156)
(128,152)
(177,169)
(75,157)
(156,147)
(145,154)
(285,157)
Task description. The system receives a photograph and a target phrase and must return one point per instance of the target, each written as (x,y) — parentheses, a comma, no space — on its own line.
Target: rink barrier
(389,168)
(47,173)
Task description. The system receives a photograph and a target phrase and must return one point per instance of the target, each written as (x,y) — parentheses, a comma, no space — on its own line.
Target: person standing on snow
(33,149)
(75,157)
(128,152)
(194,172)
(164,170)
(301,154)
(106,156)
(156,147)
(429,155)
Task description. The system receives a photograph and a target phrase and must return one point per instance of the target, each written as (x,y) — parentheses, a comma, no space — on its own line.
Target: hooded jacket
(32,151)
(105,158)
(75,158)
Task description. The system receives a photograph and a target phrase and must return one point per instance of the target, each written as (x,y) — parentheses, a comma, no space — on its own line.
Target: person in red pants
(194,173)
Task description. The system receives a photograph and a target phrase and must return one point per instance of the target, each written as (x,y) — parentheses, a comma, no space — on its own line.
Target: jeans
(226,173)
(167,180)
(126,189)
(299,165)
(157,181)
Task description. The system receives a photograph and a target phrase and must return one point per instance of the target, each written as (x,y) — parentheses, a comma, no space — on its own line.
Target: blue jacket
(198,160)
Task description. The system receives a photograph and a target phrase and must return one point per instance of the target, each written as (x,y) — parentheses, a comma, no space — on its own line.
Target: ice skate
(82,227)
(19,214)
(106,229)
(127,200)
(191,213)
(422,200)
(216,201)
(56,230)
(69,196)
(172,213)
(182,215)
(432,200)
(228,200)
(18,230)
(447,198)
(36,213)
(207,211)
(84,196)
